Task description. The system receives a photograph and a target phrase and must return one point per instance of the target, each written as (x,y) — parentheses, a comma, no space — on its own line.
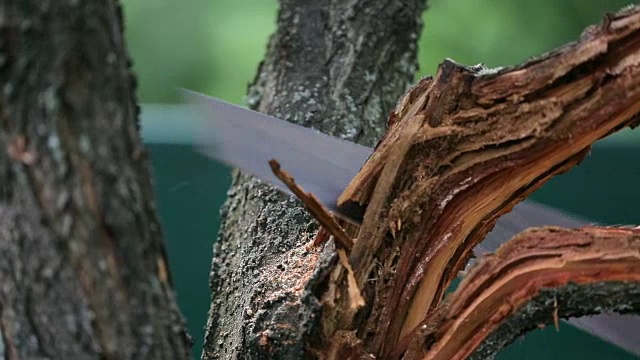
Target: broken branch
(538,276)
(313,205)
(463,149)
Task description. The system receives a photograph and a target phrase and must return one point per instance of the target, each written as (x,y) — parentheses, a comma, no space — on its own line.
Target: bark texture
(336,66)
(463,148)
(82,264)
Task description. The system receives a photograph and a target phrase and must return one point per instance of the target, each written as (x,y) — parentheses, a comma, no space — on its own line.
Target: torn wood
(462,150)
(259,228)
(577,269)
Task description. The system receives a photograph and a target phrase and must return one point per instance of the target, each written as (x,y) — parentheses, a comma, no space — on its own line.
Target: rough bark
(462,149)
(82,264)
(336,66)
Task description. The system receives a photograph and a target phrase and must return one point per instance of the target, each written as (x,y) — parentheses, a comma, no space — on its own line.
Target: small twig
(330,225)
(313,205)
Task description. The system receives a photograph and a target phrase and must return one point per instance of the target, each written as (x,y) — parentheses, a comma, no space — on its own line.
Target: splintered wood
(462,149)
(327,221)
(313,205)
(501,284)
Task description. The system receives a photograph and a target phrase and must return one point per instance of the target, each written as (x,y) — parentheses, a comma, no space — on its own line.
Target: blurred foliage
(212,46)
(504,32)
(215,46)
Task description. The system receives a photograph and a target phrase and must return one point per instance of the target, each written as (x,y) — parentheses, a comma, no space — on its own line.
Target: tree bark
(336,66)
(268,287)
(83,269)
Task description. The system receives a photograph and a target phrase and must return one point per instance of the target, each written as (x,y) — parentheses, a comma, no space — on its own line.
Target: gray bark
(83,272)
(339,67)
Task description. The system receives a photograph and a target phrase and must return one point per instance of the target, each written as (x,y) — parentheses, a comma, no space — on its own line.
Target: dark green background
(214,46)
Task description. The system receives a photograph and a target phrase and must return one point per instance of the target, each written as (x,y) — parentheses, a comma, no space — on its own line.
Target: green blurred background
(214,46)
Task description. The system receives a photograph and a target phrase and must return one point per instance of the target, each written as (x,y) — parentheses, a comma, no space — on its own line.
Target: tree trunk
(337,66)
(83,269)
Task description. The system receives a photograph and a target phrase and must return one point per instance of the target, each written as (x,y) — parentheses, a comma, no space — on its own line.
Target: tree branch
(337,66)
(464,148)
(536,278)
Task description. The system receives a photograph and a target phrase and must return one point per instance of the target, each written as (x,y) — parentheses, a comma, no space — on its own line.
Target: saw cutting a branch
(463,150)
(324,166)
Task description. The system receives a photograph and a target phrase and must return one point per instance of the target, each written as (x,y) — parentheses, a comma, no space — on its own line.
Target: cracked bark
(83,269)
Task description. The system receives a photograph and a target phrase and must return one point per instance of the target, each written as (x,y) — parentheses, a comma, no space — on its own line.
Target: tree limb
(337,66)
(463,149)
(536,278)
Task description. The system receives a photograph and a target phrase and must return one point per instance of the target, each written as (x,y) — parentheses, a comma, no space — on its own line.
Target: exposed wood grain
(463,149)
(338,67)
(537,260)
